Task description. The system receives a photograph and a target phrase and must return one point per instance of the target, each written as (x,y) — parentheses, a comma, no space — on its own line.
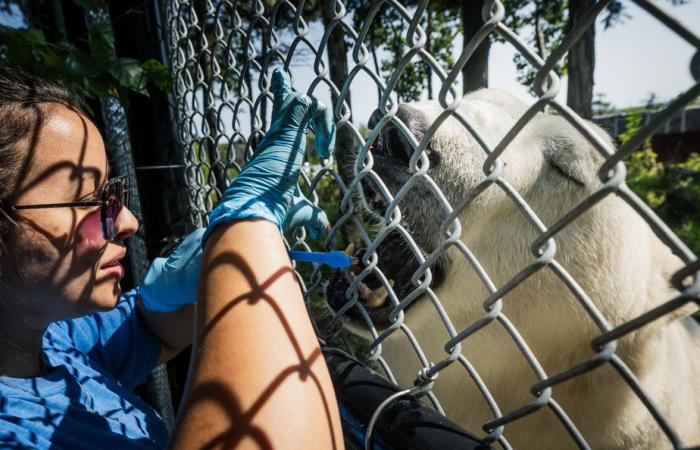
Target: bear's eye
(433,156)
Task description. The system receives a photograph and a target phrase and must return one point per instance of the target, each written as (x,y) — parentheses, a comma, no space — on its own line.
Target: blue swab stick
(334,259)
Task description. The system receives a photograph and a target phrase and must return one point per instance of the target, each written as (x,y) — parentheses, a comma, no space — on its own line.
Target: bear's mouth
(374,197)
(379,290)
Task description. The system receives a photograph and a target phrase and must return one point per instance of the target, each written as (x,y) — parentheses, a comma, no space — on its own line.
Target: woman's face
(65,267)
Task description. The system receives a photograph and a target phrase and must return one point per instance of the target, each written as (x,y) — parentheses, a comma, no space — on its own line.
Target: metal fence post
(157,158)
(158,165)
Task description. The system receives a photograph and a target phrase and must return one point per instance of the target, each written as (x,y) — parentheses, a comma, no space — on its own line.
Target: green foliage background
(671,189)
(89,66)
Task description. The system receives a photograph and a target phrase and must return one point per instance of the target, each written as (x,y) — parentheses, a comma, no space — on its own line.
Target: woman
(72,346)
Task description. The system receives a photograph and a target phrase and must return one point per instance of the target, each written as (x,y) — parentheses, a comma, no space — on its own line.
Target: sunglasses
(114,196)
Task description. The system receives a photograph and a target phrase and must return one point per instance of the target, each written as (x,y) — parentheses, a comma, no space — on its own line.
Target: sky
(633,59)
(12,18)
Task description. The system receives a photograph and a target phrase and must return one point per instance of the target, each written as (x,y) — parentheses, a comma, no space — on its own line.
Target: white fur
(610,251)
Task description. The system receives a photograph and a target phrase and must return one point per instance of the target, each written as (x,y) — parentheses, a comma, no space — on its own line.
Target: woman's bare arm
(257,378)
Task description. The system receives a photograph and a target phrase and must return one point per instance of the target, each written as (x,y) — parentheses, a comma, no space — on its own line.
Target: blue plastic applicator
(334,259)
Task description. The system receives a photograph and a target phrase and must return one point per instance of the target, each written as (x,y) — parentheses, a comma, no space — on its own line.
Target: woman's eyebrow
(89,178)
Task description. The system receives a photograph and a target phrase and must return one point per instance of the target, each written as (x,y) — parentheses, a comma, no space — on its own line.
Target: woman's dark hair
(21,118)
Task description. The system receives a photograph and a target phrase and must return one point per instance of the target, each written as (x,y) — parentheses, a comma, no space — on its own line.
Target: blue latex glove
(267,186)
(302,212)
(171,282)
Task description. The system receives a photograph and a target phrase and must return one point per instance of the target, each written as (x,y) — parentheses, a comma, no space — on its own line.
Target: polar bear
(610,251)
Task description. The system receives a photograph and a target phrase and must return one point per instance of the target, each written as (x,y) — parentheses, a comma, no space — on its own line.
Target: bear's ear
(568,152)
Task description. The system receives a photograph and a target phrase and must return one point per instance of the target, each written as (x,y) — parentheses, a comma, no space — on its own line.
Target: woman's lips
(116,270)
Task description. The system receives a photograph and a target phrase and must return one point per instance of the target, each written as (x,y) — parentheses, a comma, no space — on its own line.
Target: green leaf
(91,5)
(158,73)
(17,52)
(101,86)
(81,64)
(102,44)
(21,45)
(50,58)
(130,74)
(32,36)
(655,199)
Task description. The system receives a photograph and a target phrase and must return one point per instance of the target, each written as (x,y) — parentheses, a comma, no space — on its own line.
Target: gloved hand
(171,282)
(302,212)
(267,186)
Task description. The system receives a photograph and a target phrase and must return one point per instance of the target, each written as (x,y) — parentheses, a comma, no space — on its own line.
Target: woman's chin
(107,298)
(117,291)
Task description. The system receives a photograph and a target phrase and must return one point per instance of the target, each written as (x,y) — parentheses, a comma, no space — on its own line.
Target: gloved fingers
(148,291)
(305,109)
(323,126)
(297,210)
(281,88)
(171,282)
(304,213)
(154,271)
(318,224)
(187,252)
(289,126)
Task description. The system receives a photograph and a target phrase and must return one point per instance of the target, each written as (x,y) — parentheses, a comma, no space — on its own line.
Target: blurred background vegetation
(672,189)
(87,64)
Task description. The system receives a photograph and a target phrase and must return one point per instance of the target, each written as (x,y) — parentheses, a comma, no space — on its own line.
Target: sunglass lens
(115,199)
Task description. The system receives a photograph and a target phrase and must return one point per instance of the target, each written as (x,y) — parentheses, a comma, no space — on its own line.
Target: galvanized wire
(221,55)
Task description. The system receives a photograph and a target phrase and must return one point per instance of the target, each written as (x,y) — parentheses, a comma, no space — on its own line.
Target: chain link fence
(482,284)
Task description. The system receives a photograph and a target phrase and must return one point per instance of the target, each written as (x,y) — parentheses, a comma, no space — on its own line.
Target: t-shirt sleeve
(16,437)
(119,341)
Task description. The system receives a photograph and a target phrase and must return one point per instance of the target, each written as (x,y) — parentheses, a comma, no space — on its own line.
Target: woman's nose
(126,224)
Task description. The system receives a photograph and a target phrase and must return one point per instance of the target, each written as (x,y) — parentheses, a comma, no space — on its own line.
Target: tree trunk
(377,70)
(338,62)
(581,63)
(428,48)
(475,73)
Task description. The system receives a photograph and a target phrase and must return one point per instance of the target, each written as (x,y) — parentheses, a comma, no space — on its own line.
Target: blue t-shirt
(86,399)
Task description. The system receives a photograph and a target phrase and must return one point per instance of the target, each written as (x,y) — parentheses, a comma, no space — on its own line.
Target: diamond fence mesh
(477,271)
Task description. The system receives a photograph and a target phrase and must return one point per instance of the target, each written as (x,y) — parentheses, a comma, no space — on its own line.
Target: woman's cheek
(89,234)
